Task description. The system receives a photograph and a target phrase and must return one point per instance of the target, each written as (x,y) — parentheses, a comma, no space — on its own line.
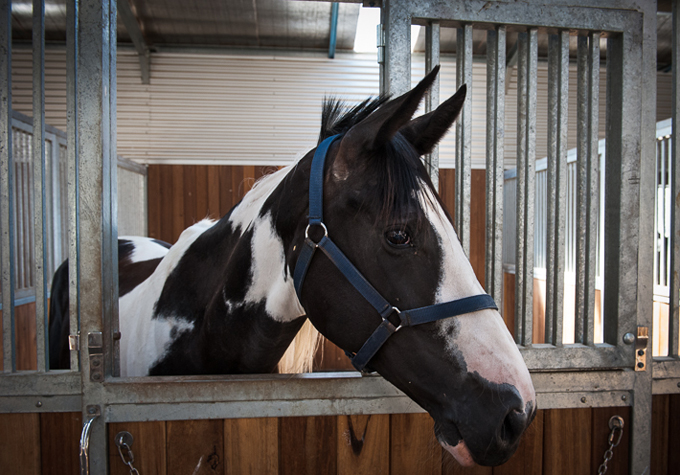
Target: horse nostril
(513,425)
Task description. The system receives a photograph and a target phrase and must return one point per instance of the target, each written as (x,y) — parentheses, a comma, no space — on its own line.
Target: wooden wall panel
(251,446)
(195,447)
(24,334)
(528,460)
(567,441)
(600,440)
(59,440)
(363,444)
(413,446)
(20,444)
(149,448)
(307,445)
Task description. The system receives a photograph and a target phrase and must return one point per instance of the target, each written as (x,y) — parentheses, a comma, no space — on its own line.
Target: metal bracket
(641,342)
(74,342)
(95,348)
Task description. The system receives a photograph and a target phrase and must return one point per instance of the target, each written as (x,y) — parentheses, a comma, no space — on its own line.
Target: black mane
(337,117)
(397,168)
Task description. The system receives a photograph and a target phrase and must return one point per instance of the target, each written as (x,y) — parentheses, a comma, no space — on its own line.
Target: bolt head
(38,404)
(629,338)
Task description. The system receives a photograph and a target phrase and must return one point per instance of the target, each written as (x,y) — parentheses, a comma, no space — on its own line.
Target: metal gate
(606,373)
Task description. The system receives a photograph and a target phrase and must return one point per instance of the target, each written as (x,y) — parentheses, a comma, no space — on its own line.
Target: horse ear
(427,130)
(378,129)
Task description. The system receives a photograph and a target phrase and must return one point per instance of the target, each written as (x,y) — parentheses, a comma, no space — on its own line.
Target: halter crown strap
(386,329)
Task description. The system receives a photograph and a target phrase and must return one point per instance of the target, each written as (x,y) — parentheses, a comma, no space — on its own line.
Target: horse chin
(460,452)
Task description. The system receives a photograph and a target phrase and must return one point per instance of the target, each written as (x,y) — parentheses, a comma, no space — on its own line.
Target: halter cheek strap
(386,329)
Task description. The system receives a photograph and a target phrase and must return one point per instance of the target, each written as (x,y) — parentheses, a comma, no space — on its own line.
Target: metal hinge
(95,348)
(641,342)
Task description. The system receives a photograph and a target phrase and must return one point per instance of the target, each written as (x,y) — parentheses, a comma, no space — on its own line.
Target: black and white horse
(223,298)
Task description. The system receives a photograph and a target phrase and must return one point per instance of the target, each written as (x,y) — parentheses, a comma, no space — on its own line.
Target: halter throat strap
(386,329)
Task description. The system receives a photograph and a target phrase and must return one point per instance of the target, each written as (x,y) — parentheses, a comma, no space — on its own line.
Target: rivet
(679,385)
(583,399)
(629,338)
(38,404)
(624,397)
(91,410)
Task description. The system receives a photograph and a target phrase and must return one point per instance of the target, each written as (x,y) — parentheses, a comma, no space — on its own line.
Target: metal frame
(609,379)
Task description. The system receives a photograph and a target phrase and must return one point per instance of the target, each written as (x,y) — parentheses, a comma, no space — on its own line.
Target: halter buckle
(325,231)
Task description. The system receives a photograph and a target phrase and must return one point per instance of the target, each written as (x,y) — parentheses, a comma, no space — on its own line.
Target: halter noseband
(407,318)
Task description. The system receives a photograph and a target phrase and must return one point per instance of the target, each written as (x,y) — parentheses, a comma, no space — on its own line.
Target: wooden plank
(528,460)
(363,444)
(195,447)
(567,436)
(165,206)
(413,446)
(153,184)
(177,201)
(619,464)
(660,436)
(213,185)
(20,444)
(189,204)
(447,189)
(307,445)
(538,332)
(202,210)
(59,441)
(248,179)
(673,435)
(236,185)
(251,446)
(509,301)
(226,189)
(478,222)
(148,448)
(24,328)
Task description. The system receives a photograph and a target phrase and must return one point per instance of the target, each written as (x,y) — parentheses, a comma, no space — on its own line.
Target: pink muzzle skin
(460,452)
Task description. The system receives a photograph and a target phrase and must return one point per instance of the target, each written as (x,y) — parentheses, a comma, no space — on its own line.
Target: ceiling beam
(132,26)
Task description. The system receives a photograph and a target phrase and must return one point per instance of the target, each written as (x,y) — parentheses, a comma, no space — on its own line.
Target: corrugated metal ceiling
(299,25)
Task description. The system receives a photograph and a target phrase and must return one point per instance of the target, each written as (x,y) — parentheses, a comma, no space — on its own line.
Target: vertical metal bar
(7,189)
(39,208)
(96,125)
(526,182)
(464,138)
(587,185)
(674,283)
(558,105)
(72,173)
(495,133)
(432,31)
(397,26)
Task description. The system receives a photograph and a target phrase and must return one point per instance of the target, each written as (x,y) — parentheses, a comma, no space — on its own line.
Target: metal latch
(95,348)
(74,342)
(641,342)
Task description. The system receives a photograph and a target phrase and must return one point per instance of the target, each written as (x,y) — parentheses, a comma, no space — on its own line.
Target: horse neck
(241,296)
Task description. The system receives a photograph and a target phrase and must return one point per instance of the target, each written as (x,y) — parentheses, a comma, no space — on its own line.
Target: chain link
(614,439)
(128,457)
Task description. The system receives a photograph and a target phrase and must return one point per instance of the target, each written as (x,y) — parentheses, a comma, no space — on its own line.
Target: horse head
(381,211)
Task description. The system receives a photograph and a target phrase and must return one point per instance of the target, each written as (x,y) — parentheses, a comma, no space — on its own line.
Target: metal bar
(558,92)
(334,29)
(95,127)
(526,182)
(432,35)
(495,135)
(39,172)
(7,189)
(674,283)
(464,138)
(72,174)
(396,22)
(587,185)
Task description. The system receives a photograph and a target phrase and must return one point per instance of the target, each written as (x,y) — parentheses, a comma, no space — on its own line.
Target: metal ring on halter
(395,309)
(325,229)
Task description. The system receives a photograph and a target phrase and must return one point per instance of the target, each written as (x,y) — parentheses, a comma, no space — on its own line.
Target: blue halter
(407,318)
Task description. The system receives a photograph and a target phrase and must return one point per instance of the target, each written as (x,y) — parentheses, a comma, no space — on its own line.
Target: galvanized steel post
(432,99)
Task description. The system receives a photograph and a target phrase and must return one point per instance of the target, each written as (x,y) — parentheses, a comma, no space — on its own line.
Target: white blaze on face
(481,337)
(145,339)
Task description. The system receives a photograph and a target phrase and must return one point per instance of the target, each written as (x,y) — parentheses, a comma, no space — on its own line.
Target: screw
(38,404)
(583,399)
(641,352)
(640,365)
(91,410)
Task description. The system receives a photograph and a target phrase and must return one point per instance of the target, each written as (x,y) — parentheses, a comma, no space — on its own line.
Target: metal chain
(616,426)
(128,457)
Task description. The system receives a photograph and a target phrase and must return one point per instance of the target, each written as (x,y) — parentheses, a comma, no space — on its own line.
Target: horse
(354,239)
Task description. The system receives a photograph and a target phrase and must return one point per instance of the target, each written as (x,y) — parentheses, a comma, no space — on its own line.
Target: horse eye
(398,237)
